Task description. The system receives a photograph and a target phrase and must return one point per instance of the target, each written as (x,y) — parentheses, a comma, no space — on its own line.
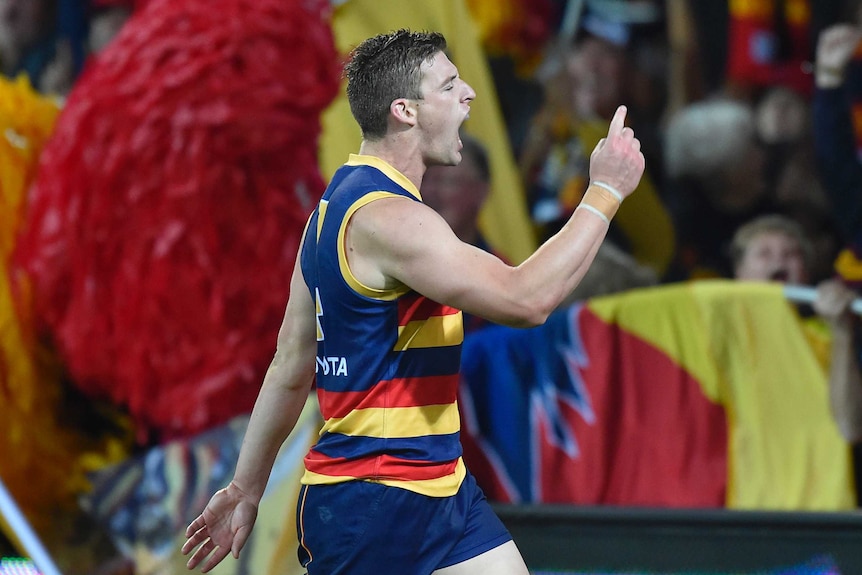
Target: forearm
(845,385)
(282,397)
(547,277)
(524,296)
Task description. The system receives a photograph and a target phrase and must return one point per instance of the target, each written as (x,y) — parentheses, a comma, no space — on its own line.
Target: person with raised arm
(374,318)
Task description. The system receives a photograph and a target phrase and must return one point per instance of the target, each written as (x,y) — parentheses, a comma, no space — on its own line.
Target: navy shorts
(364,528)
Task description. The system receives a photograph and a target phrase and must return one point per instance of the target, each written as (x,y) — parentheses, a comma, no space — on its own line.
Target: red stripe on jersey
(380,467)
(401,392)
(415,307)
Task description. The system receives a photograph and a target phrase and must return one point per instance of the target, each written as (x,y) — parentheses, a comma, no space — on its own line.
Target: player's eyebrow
(449,80)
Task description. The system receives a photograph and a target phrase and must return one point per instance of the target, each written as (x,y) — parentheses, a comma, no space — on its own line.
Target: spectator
(774,248)
(716,182)
(598,74)
(784,129)
(837,103)
(771,248)
(838,82)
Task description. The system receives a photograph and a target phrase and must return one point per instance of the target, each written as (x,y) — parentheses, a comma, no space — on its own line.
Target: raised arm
(225,524)
(398,240)
(834,139)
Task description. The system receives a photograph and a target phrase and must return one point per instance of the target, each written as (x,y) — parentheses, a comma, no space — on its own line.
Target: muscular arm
(399,240)
(424,253)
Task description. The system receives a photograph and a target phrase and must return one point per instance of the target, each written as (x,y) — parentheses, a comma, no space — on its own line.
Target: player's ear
(404,110)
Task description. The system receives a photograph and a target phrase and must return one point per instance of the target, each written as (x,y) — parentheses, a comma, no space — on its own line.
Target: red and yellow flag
(703,394)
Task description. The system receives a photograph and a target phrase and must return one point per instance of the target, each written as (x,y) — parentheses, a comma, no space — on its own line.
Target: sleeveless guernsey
(387,360)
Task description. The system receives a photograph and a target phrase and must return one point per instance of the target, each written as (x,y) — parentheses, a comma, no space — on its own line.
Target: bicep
(414,245)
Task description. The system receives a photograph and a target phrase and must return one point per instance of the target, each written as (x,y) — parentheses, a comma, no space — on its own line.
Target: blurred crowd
(747,110)
(50,40)
(721,96)
(749,113)
(739,109)
(750,117)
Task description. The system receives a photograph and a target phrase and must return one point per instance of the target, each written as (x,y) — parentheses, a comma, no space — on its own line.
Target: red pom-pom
(163,226)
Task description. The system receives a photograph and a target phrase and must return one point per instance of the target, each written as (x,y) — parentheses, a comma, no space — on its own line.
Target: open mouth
(779,276)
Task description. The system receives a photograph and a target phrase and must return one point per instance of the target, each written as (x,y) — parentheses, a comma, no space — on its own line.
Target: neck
(399,153)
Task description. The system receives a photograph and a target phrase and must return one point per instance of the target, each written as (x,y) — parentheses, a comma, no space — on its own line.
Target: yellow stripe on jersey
(389,171)
(438,331)
(355,284)
(441,487)
(394,422)
(321,213)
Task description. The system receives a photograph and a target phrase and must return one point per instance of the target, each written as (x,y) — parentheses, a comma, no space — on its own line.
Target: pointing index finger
(618,122)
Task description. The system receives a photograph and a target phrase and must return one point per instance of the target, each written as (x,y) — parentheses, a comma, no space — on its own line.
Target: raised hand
(617,159)
(833,301)
(835,48)
(223,527)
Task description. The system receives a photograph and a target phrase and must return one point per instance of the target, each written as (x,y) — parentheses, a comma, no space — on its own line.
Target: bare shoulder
(389,239)
(395,223)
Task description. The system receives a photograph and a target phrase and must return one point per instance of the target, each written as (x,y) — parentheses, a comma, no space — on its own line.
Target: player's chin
(459,146)
(453,158)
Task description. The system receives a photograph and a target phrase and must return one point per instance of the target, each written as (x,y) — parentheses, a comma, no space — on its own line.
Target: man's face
(444,107)
(773,256)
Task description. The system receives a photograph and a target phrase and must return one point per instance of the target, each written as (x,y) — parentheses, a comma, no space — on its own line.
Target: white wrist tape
(596,211)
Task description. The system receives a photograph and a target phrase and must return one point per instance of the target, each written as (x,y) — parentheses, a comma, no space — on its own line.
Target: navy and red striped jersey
(387,360)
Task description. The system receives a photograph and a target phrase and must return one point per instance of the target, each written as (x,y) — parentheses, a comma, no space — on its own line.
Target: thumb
(239,540)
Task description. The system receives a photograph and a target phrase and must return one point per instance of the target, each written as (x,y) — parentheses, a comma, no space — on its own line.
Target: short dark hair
(385,68)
